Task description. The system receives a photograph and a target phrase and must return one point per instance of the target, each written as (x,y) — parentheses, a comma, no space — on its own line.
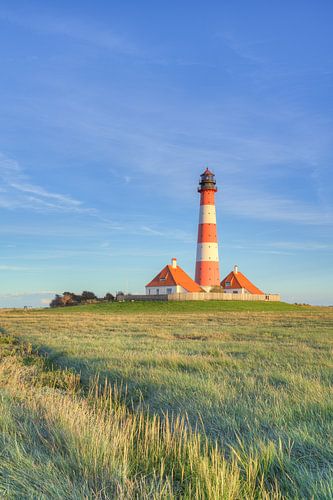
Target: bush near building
(72,299)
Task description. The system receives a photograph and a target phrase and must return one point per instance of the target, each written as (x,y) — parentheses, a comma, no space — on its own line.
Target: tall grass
(248,391)
(60,443)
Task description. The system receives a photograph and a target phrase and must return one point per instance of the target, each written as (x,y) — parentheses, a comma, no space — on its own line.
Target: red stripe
(207,197)
(207,273)
(207,233)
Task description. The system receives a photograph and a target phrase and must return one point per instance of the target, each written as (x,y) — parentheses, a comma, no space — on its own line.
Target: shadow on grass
(307,453)
(223,423)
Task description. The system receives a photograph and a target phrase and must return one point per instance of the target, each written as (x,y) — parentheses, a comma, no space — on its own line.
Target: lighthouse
(207,273)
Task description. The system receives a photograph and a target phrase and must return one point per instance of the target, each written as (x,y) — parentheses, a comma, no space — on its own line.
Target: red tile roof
(172,276)
(238,280)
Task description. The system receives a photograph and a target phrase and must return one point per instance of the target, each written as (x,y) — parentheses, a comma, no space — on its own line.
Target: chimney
(235,269)
(174,263)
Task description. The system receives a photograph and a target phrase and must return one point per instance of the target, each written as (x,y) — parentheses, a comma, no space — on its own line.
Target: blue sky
(109,111)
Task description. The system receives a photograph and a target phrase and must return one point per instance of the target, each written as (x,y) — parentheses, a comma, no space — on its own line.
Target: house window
(169,290)
(235,291)
(149,291)
(157,291)
(227,283)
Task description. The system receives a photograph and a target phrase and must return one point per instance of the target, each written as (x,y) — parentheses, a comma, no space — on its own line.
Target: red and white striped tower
(207,272)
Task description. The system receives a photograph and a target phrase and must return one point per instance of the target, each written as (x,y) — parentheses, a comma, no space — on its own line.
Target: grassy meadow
(203,400)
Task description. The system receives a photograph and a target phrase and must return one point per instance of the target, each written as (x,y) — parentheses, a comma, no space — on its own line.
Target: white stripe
(207,252)
(207,214)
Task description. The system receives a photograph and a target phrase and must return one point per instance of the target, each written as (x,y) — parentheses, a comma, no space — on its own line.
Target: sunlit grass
(161,307)
(70,444)
(257,383)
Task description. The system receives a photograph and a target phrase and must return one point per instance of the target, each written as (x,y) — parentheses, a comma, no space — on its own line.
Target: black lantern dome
(207,181)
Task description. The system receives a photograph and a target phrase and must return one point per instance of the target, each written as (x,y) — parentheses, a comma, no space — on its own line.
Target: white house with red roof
(172,279)
(236,282)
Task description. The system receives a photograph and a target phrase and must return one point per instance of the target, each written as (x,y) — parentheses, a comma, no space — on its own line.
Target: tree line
(73,299)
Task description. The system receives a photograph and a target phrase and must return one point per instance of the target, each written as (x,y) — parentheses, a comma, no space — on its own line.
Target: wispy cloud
(36,190)
(4,267)
(76,29)
(151,231)
(302,245)
(265,206)
(28,294)
(17,192)
(45,301)
(280,247)
(26,298)
(244,50)
(174,234)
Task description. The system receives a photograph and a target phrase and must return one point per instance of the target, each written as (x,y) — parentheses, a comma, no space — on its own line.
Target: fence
(147,298)
(271,297)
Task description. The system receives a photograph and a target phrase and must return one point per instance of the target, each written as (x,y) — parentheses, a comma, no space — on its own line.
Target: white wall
(160,290)
(163,290)
(232,290)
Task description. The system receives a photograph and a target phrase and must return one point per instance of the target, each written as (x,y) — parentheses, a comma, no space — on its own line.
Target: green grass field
(182,307)
(254,379)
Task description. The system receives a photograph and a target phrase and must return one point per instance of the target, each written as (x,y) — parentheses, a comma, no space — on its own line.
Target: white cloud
(45,302)
(27,294)
(17,192)
(30,299)
(4,267)
(28,188)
